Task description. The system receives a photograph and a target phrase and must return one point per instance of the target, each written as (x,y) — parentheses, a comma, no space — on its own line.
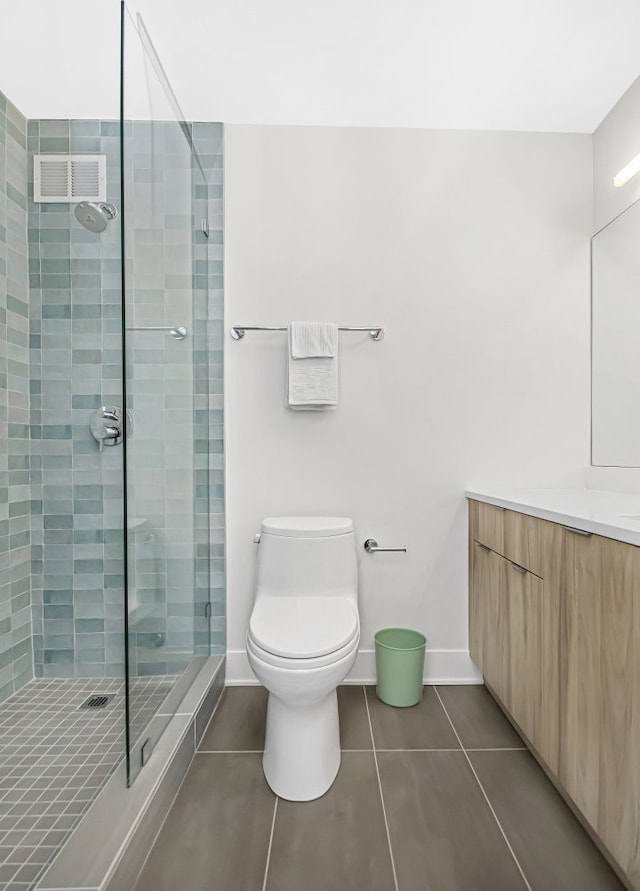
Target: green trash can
(399,666)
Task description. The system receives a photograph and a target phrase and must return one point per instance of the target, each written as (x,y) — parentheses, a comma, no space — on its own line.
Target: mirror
(615,388)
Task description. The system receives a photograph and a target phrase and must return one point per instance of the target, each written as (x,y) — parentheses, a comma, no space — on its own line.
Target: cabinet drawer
(527,541)
(487,525)
(524,541)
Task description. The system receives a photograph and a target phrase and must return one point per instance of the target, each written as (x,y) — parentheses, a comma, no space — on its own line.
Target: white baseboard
(440,667)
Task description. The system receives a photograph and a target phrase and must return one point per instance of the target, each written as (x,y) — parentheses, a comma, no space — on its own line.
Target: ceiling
(550,65)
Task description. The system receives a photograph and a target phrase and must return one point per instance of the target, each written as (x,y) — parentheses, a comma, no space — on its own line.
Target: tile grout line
(384,810)
(497,749)
(430,749)
(436,749)
(230,751)
(273,824)
(486,797)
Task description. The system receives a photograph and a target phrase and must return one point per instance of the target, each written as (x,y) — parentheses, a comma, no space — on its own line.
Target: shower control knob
(107,426)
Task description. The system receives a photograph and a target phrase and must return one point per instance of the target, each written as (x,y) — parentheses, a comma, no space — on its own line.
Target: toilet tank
(300,556)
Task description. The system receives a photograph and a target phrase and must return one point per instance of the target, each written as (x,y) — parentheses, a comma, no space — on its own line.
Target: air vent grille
(56,179)
(69,178)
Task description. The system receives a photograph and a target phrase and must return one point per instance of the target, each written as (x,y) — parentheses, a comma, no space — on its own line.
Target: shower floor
(55,758)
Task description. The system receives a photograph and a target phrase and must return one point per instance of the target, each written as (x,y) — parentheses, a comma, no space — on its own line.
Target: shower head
(95,216)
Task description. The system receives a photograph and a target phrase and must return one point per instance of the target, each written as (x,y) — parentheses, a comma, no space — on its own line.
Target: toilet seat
(293,664)
(303,628)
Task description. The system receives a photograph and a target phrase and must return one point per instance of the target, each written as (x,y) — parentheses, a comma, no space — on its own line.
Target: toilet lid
(307,527)
(303,627)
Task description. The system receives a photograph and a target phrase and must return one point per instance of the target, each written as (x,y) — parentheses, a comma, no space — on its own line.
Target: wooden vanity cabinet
(558,641)
(619,781)
(600,689)
(580,689)
(514,619)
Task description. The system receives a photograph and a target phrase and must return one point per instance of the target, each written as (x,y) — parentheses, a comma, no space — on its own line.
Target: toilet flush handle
(256,538)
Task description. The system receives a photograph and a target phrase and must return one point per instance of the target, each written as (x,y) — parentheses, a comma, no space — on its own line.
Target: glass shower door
(166,398)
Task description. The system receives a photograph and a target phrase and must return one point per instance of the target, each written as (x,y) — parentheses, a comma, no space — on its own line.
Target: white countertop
(611,514)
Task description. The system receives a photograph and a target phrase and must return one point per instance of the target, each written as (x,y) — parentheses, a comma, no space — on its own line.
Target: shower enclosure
(172,211)
(112,529)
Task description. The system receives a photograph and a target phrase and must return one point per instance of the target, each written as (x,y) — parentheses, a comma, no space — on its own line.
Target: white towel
(312,366)
(313,340)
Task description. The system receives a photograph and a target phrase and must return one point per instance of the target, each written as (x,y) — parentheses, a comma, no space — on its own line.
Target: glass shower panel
(164,323)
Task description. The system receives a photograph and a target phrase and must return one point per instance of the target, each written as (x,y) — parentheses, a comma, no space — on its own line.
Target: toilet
(302,642)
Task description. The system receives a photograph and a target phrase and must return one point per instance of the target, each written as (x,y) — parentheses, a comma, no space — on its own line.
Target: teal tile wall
(75,340)
(160,375)
(61,551)
(16,506)
(175,396)
(207,200)
(177,437)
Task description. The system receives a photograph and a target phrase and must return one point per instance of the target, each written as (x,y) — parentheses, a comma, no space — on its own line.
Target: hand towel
(312,367)
(313,340)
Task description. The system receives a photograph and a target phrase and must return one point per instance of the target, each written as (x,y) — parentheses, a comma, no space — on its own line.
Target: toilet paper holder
(371,546)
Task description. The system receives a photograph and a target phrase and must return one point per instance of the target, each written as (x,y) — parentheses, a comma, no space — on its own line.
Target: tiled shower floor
(439,797)
(54,758)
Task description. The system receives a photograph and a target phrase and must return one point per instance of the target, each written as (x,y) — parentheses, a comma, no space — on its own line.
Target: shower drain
(97,700)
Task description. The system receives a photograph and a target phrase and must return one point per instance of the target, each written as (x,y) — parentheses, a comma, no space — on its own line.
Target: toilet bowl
(302,641)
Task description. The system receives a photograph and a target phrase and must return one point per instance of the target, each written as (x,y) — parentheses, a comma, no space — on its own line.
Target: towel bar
(237,331)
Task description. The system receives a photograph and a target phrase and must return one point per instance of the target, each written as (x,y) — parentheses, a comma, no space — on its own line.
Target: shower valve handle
(107,426)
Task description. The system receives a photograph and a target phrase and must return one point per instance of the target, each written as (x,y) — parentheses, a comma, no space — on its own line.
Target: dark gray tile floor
(439,797)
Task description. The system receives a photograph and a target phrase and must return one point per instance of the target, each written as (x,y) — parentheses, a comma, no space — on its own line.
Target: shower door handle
(107,426)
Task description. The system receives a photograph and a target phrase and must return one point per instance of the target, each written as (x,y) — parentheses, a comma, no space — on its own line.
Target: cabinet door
(495,629)
(581,693)
(547,733)
(477,601)
(619,762)
(524,697)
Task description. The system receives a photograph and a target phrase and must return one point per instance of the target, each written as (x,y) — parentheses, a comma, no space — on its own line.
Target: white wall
(497,64)
(472,250)
(615,142)
(61,58)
